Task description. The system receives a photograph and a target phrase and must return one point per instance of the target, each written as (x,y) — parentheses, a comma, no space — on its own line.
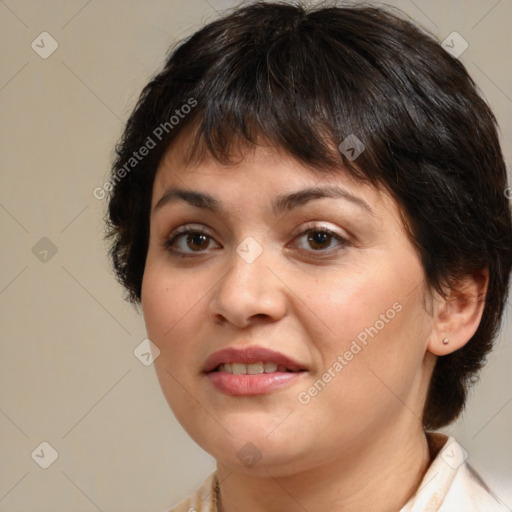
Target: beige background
(68,375)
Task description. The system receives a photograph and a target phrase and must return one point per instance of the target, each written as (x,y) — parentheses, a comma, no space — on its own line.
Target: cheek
(369,327)
(169,302)
(170,305)
(351,303)
(157,305)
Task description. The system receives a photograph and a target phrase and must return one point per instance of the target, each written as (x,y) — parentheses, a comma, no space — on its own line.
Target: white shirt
(449,485)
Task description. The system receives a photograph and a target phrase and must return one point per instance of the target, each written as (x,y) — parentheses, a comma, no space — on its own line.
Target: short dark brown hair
(303,79)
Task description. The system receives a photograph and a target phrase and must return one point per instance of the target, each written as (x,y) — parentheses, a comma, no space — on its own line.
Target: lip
(258,384)
(250,355)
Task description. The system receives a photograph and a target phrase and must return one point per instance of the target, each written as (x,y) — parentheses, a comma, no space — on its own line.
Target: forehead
(259,173)
(269,182)
(254,169)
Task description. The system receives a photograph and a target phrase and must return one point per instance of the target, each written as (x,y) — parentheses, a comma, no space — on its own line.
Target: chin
(254,450)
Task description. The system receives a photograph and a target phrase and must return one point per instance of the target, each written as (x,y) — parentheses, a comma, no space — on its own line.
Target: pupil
(319,237)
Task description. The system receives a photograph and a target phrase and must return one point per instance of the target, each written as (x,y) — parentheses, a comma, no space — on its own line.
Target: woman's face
(261,270)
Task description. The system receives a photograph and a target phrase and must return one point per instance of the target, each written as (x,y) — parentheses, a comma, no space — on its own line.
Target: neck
(381,478)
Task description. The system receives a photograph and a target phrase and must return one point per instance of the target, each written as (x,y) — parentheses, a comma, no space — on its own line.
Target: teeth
(255,368)
(239,368)
(251,369)
(270,367)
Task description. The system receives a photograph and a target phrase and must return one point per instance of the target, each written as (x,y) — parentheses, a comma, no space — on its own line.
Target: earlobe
(457,315)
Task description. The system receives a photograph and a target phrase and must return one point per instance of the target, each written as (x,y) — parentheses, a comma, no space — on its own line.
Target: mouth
(253,368)
(250,361)
(251,371)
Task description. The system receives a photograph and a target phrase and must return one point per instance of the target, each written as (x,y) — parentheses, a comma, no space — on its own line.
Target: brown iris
(319,238)
(199,240)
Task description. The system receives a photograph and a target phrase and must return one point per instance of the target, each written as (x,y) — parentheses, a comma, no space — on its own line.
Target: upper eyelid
(311,225)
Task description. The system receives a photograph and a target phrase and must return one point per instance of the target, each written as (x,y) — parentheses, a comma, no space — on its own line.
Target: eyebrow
(281,204)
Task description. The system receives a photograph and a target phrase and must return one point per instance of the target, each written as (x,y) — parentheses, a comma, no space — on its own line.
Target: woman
(308,204)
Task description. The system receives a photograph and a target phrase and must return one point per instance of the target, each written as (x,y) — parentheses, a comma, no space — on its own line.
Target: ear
(458,314)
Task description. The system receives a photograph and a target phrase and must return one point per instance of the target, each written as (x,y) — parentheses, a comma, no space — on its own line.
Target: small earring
(445,341)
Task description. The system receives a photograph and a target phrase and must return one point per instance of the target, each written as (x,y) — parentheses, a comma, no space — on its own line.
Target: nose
(250,290)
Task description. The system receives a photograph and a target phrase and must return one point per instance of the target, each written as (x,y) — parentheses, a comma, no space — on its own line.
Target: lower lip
(258,384)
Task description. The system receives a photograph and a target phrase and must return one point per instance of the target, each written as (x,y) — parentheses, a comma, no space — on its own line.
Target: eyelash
(168,244)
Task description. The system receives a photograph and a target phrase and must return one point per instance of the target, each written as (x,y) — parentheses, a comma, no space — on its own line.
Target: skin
(359,443)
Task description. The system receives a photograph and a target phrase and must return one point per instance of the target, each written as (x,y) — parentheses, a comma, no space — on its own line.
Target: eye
(194,239)
(190,240)
(320,238)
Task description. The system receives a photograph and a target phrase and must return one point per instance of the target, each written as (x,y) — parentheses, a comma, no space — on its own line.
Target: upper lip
(249,355)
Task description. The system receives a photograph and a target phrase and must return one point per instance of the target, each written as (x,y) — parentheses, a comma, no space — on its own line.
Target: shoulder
(469,491)
(203,500)
(451,484)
